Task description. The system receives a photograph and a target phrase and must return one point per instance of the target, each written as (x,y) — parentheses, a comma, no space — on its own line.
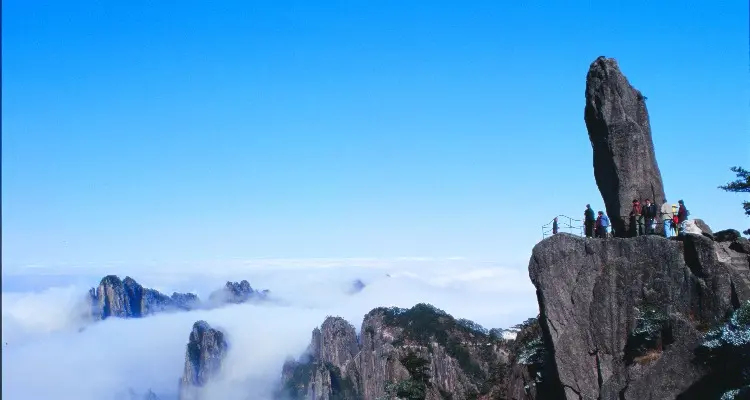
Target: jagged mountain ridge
(663,294)
(421,352)
(127,298)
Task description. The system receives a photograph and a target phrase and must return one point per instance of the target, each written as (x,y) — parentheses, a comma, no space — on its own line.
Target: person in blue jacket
(603,225)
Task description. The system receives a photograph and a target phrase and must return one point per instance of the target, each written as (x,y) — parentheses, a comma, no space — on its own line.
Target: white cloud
(47,358)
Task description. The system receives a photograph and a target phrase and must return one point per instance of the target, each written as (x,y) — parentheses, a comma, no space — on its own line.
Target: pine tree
(741,185)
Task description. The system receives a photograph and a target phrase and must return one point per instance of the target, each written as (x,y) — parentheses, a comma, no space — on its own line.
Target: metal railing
(564,224)
(576,227)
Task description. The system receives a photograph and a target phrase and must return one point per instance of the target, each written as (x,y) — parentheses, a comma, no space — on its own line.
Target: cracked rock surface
(596,298)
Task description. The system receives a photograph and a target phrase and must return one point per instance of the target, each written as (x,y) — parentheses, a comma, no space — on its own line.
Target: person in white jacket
(666,214)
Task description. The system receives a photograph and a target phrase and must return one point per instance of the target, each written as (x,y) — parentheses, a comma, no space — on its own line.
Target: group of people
(643,219)
(596,225)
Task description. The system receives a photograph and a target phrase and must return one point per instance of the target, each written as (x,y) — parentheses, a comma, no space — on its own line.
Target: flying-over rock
(205,352)
(623,317)
(421,352)
(618,124)
(126,298)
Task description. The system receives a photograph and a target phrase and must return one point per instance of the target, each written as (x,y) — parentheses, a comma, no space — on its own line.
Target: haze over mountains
(149,353)
(154,154)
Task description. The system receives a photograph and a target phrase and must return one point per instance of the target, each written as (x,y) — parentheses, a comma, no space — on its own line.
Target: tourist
(666,218)
(589,220)
(649,213)
(554,226)
(603,223)
(682,216)
(675,220)
(636,219)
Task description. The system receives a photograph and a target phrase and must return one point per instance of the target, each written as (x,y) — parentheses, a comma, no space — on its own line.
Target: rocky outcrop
(703,226)
(421,352)
(205,352)
(236,293)
(356,286)
(529,369)
(128,299)
(328,370)
(618,124)
(726,352)
(735,241)
(622,318)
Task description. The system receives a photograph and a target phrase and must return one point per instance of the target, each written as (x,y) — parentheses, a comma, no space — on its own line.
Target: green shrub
(726,351)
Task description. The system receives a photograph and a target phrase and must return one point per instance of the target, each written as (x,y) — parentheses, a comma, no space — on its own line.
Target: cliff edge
(624,317)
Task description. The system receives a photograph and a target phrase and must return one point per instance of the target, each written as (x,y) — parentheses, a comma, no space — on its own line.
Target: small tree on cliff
(741,185)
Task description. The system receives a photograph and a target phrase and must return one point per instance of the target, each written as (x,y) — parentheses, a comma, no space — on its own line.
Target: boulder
(740,245)
(703,226)
(618,125)
(623,317)
(727,235)
(692,227)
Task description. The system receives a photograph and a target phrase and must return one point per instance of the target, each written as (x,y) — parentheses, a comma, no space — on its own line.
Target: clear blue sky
(186,130)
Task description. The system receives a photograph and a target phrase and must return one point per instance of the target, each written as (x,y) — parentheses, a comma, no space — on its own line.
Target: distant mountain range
(126,298)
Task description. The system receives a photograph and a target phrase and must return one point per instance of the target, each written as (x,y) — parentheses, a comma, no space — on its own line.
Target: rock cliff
(235,293)
(126,298)
(618,124)
(419,353)
(205,352)
(624,317)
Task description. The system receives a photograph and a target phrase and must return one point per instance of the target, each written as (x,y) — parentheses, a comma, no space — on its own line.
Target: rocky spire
(117,298)
(617,120)
(205,352)
(335,342)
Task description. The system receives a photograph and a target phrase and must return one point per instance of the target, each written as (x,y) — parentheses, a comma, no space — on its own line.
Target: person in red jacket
(636,219)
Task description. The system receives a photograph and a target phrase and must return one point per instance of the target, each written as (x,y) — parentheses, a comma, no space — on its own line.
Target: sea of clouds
(47,356)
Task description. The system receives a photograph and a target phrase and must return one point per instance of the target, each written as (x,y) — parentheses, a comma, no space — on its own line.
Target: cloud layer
(45,355)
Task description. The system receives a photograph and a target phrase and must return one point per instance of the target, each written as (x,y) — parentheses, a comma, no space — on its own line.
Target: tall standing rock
(205,352)
(617,120)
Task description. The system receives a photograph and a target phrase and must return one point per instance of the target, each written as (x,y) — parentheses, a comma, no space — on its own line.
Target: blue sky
(163,131)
